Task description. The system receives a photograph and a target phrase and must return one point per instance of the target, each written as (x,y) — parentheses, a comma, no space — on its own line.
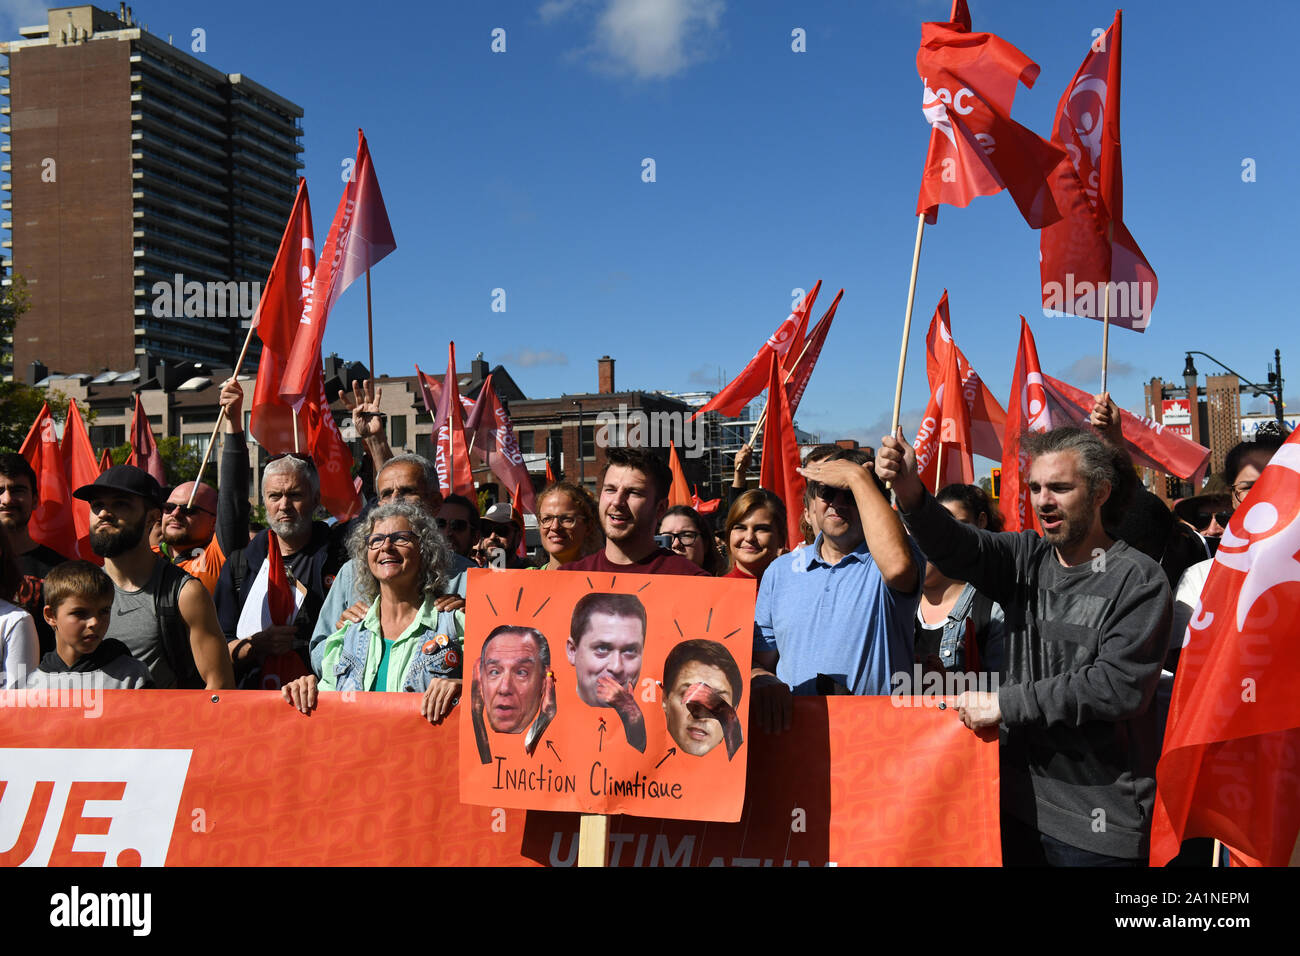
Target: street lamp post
(1272,391)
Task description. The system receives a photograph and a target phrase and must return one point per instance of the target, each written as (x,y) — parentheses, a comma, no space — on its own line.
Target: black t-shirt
(34,565)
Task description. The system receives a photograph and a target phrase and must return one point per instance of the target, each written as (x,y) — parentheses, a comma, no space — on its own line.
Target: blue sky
(522,171)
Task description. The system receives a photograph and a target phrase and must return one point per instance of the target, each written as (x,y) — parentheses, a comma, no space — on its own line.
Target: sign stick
(1105,334)
(907,325)
(593,840)
(221,417)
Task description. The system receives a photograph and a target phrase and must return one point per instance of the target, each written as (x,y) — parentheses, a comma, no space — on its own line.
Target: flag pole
(1105,333)
(295,432)
(370,327)
(788,375)
(907,324)
(938,470)
(221,415)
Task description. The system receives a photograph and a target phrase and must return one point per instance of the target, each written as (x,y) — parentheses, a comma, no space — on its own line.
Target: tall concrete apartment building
(146,198)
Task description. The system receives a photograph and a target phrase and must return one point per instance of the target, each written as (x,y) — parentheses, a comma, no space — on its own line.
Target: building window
(588,441)
(197,441)
(107,436)
(424,446)
(525,441)
(397,431)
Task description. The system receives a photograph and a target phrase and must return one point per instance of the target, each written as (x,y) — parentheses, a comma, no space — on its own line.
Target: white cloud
(21,13)
(528,358)
(1087,371)
(645,39)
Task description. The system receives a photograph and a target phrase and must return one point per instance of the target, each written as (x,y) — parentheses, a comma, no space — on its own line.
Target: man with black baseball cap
(164,616)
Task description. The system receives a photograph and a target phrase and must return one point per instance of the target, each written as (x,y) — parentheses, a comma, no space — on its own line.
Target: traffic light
(996,476)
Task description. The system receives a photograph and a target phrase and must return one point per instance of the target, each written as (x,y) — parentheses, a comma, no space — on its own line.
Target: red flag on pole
(800,327)
(1148,443)
(359,237)
(779,470)
(52,523)
(430,392)
(958,466)
(496,446)
(702,506)
(144,450)
(283,608)
(1232,744)
(679,493)
(82,468)
(987,418)
(742,389)
(1027,411)
(1090,246)
(550,474)
(286,296)
(106,460)
(976,149)
(812,350)
(331,454)
(455,474)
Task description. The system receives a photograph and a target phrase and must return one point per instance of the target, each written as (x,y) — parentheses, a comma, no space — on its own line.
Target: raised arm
(233,474)
(363,403)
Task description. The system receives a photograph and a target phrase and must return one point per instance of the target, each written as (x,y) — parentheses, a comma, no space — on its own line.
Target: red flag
(280,602)
(550,475)
(987,418)
(359,237)
(1147,441)
(797,376)
(286,296)
(1090,246)
(455,474)
(82,468)
(1027,411)
(430,391)
(52,523)
(144,451)
(779,471)
(976,149)
(800,327)
(106,460)
(702,506)
(742,389)
(1232,744)
(954,429)
(679,493)
(324,442)
(495,445)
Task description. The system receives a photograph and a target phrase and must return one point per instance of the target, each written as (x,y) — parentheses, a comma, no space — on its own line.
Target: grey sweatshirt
(1084,646)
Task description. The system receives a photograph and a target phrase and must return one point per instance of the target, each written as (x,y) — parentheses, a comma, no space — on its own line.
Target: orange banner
(607,693)
(129,778)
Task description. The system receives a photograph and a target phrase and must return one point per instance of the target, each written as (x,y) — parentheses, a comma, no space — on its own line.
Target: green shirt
(399,653)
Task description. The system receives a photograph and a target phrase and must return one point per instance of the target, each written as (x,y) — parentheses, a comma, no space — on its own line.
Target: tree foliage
(180,462)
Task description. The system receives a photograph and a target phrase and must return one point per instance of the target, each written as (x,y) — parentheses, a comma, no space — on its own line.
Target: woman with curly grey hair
(404,643)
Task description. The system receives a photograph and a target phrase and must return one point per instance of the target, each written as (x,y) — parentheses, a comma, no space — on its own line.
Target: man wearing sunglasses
(197,536)
(836,617)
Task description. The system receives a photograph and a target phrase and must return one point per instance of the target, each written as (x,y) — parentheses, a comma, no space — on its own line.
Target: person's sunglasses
(185,511)
(456,524)
(829,493)
(1203,519)
(400,539)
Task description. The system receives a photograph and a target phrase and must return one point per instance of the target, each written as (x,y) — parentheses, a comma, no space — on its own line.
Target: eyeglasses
(458,524)
(1203,519)
(830,494)
(564,521)
(1243,489)
(685,538)
(185,511)
(400,539)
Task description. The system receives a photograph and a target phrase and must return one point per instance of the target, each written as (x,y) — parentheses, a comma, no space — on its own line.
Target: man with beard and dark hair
(1087,622)
(197,536)
(312,552)
(164,616)
(17,502)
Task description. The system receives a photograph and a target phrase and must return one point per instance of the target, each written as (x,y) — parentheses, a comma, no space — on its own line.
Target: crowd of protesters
(1075,631)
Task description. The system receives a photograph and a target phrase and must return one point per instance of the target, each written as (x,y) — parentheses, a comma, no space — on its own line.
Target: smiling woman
(404,643)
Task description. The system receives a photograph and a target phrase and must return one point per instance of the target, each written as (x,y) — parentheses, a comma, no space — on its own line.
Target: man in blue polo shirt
(836,616)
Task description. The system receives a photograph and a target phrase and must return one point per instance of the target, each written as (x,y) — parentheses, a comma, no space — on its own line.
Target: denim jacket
(952,644)
(429,662)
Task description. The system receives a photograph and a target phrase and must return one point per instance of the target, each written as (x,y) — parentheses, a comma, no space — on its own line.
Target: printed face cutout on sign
(702,686)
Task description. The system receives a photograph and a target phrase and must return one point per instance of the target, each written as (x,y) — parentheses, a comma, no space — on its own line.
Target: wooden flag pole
(221,417)
(1217,854)
(593,840)
(907,325)
(1105,332)
(938,470)
(370,329)
(295,432)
